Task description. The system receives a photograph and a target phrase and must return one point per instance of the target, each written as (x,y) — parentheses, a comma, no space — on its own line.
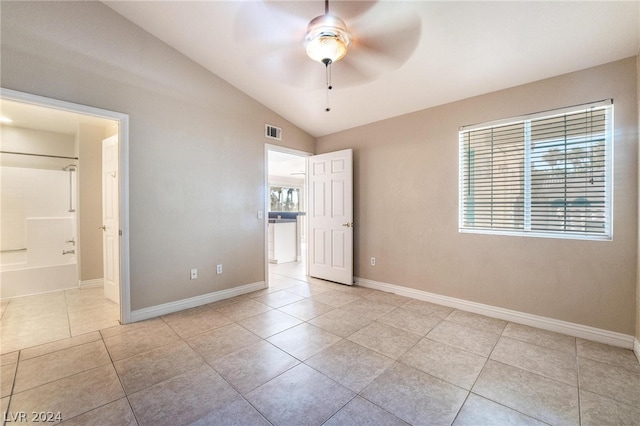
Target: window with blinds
(546,174)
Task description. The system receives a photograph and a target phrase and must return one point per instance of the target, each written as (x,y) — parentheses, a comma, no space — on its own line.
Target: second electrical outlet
(219,269)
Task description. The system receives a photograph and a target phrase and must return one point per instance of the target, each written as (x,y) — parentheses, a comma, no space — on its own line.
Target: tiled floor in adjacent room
(311,353)
(33,320)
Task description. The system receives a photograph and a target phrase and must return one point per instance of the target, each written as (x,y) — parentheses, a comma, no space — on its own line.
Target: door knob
(348,224)
(104,228)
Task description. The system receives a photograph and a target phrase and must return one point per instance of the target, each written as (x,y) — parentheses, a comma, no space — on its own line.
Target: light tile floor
(308,352)
(34,320)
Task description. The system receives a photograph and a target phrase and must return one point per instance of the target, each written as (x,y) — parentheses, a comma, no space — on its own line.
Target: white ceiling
(445,50)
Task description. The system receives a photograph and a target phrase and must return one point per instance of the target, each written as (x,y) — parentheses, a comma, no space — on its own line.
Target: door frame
(271,147)
(123,165)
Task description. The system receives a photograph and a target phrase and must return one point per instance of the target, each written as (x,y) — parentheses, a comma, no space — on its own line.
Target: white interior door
(110,222)
(331,216)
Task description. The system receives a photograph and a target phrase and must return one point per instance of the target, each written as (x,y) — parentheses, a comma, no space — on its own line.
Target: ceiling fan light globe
(327,38)
(326,47)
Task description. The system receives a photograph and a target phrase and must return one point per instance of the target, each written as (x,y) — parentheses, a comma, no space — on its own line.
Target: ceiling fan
(327,38)
(362,40)
(327,41)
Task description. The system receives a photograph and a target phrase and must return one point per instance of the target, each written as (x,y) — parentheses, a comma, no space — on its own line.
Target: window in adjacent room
(546,174)
(284,199)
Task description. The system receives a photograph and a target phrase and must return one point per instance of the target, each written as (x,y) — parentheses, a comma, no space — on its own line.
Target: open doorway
(52,255)
(286,253)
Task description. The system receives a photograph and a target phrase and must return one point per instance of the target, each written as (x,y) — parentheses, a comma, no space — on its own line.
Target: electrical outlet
(219,269)
(373,261)
(194,274)
(259,214)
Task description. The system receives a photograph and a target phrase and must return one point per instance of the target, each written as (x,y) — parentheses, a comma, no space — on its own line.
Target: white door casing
(330,249)
(110,220)
(122,123)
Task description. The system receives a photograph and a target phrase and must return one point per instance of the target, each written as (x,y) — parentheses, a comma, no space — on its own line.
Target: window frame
(526,177)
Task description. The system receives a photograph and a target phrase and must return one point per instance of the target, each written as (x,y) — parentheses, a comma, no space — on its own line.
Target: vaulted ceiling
(405,56)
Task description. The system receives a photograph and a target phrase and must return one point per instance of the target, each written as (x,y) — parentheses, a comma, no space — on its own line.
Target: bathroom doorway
(53,253)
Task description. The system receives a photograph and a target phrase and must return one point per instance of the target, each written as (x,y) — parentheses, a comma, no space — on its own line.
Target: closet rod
(38,155)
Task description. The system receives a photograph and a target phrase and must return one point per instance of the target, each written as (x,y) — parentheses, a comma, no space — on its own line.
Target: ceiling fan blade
(272,40)
(307,9)
(291,67)
(350,72)
(387,36)
(377,49)
(278,21)
(260,22)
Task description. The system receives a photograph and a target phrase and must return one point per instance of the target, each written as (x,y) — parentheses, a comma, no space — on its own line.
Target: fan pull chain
(327,64)
(328,108)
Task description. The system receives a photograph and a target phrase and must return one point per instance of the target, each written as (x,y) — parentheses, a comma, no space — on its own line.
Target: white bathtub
(42,279)
(40,266)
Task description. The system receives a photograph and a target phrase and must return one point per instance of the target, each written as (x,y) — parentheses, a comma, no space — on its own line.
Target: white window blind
(547,174)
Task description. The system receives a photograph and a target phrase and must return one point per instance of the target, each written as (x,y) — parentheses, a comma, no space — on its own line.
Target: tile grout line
(355,395)
(396,360)
(75,374)
(240,395)
(501,335)
(204,361)
(578,384)
(486,361)
(113,365)
(303,362)
(470,391)
(66,308)
(13,385)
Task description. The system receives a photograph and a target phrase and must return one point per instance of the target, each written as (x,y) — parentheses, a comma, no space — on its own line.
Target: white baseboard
(636,348)
(577,330)
(98,282)
(192,302)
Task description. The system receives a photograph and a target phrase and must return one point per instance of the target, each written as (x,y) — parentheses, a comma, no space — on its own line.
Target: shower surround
(38,230)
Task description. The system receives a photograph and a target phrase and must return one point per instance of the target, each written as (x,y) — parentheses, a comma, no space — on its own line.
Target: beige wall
(196,144)
(33,141)
(406,209)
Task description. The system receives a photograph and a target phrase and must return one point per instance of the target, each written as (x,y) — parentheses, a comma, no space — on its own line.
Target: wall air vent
(273,132)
